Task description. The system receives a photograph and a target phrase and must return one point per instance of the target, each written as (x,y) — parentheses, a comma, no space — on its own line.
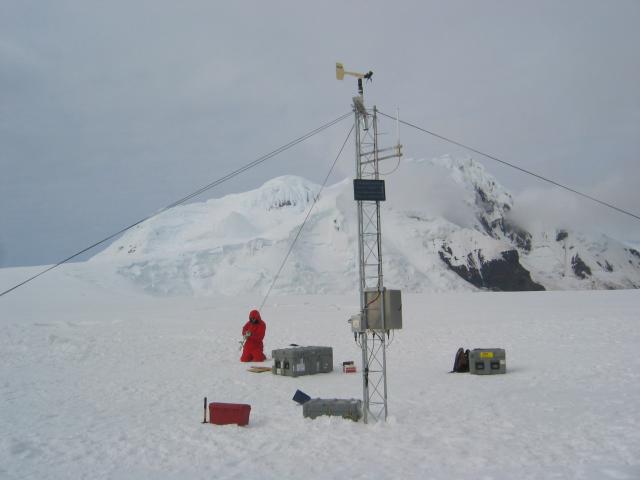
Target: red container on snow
(229,413)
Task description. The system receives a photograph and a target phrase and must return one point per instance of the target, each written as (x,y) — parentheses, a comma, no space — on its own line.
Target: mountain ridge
(447,225)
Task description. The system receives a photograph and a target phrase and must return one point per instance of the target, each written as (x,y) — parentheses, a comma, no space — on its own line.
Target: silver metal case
(392,300)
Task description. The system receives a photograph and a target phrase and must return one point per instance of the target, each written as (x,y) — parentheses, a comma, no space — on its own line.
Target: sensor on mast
(341,72)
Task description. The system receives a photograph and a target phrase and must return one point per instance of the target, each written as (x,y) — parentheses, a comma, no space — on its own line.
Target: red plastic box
(229,413)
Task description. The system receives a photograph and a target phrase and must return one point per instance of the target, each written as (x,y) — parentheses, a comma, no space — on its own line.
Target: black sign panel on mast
(369,190)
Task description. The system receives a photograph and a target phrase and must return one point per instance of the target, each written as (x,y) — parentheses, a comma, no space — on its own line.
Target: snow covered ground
(98,381)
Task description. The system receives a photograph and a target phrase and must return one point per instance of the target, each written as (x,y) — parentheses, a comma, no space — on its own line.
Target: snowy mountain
(447,225)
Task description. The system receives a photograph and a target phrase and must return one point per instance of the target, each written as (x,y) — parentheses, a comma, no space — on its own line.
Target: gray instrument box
(392,309)
(487,361)
(298,361)
(345,408)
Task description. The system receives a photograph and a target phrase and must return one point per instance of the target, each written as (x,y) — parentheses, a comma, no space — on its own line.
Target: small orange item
(348,367)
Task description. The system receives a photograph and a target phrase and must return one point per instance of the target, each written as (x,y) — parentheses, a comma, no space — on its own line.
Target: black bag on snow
(461,362)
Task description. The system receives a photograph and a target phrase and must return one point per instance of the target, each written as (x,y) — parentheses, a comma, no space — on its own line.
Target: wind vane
(341,72)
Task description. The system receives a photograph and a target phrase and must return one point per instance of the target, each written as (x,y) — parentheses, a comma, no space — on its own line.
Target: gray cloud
(551,207)
(109,111)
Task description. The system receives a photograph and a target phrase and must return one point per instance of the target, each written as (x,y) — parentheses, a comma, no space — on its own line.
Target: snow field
(98,382)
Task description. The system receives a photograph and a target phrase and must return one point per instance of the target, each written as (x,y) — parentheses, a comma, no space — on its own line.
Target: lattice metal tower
(371,334)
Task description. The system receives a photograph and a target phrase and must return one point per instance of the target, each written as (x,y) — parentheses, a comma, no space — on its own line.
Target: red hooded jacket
(252,350)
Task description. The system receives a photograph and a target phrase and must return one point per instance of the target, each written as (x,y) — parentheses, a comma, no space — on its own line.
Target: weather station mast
(380,308)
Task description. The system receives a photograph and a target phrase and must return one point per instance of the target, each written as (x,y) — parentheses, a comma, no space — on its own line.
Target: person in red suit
(253,333)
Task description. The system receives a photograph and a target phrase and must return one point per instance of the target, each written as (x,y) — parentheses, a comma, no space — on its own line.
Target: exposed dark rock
(497,224)
(487,227)
(507,274)
(283,203)
(633,261)
(519,236)
(471,275)
(580,268)
(488,206)
(562,234)
(504,274)
(633,251)
(608,267)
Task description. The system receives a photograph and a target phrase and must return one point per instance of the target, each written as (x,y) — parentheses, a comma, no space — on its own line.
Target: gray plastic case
(487,361)
(298,361)
(345,408)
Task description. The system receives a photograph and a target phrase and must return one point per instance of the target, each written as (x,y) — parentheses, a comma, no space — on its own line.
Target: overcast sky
(112,110)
